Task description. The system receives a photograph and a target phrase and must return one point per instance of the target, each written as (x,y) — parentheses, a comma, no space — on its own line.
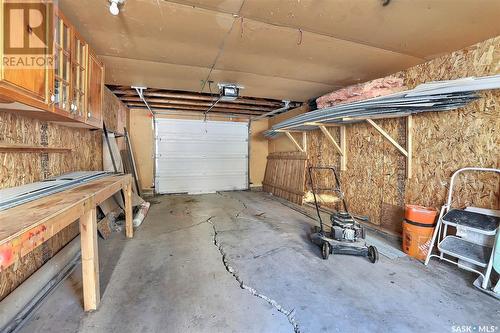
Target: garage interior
(250,166)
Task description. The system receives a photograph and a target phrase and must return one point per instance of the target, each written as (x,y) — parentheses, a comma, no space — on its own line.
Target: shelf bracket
(409,142)
(341,149)
(290,136)
(330,138)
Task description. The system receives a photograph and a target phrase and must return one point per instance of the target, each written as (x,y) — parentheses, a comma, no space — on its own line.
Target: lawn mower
(346,235)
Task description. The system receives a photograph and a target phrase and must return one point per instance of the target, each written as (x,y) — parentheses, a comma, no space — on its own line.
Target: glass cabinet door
(62,65)
(79,75)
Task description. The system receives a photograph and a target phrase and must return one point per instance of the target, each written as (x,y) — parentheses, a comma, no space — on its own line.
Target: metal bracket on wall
(409,142)
(341,148)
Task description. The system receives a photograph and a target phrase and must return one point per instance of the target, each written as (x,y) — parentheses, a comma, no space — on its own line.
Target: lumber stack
(285,175)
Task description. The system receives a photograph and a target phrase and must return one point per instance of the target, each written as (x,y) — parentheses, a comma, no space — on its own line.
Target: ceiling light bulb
(113,8)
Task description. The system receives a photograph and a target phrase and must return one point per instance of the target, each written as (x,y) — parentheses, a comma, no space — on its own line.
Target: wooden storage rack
(341,147)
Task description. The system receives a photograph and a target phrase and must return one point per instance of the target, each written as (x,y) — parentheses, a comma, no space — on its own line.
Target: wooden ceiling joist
(125,91)
(194,103)
(157,107)
(169,100)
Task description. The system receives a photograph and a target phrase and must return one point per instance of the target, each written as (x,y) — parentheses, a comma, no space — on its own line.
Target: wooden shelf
(24,148)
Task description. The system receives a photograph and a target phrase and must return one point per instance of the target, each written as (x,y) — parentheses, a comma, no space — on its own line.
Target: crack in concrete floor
(290,314)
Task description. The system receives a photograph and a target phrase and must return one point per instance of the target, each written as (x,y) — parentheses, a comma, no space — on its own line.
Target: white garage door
(196,156)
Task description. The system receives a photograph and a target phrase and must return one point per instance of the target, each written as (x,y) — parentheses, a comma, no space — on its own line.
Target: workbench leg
(90,260)
(129,227)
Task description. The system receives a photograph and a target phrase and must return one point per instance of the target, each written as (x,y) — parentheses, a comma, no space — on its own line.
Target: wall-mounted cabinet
(79,77)
(60,94)
(22,84)
(67,88)
(95,89)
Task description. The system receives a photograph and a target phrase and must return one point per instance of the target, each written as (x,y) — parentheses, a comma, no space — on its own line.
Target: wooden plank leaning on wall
(285,175)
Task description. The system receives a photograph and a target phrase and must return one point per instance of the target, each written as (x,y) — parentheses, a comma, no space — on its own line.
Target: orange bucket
(418,227)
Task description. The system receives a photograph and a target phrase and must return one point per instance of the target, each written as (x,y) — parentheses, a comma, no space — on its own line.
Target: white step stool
(466,253)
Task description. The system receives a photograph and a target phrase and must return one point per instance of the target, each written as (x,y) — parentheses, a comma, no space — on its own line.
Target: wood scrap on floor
(141,214)
(109,205)
(104,228)
(323,198)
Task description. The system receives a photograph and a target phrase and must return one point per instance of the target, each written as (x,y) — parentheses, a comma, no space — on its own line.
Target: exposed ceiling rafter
(179,101)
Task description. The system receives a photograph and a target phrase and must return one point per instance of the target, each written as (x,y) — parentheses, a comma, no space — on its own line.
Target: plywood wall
(375,182)
(115,113)
(141,138)
(22,168)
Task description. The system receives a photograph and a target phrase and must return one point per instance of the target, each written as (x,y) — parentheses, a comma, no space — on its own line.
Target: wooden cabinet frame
(95,92)
(61,92)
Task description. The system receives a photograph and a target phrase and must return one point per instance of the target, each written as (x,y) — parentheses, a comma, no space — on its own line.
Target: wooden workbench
(25,227)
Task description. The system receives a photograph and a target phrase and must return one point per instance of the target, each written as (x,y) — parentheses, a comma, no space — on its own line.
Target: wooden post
(90,257)
(304,141)
(129,227)
(343,148)
(409,146)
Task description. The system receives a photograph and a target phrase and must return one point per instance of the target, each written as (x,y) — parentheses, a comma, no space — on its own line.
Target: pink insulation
(358,92)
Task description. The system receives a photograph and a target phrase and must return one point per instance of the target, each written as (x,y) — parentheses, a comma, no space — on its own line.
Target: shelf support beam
(409,142)
(331,139)
(409,145)
(388,137)
(341,149)
(296,144)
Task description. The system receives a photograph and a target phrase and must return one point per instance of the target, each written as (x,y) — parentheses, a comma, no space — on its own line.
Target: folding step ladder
(472,246)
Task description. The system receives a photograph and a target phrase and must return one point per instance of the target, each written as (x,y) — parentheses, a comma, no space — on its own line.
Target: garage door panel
(198,184)
(201,157)
(202,166)
(202,148)
(207,129)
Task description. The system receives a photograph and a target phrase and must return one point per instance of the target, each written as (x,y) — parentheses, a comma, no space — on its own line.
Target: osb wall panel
(375,184)
(115,113)
(22,168)
(375,171)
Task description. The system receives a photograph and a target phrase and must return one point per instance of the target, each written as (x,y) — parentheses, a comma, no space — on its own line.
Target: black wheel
(372,254)
(315,229)
(325,250)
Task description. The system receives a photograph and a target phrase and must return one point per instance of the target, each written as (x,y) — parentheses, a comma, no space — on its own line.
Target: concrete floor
(178,275)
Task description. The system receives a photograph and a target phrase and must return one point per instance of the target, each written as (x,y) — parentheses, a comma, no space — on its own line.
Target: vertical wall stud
(343,148)
(409,146)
